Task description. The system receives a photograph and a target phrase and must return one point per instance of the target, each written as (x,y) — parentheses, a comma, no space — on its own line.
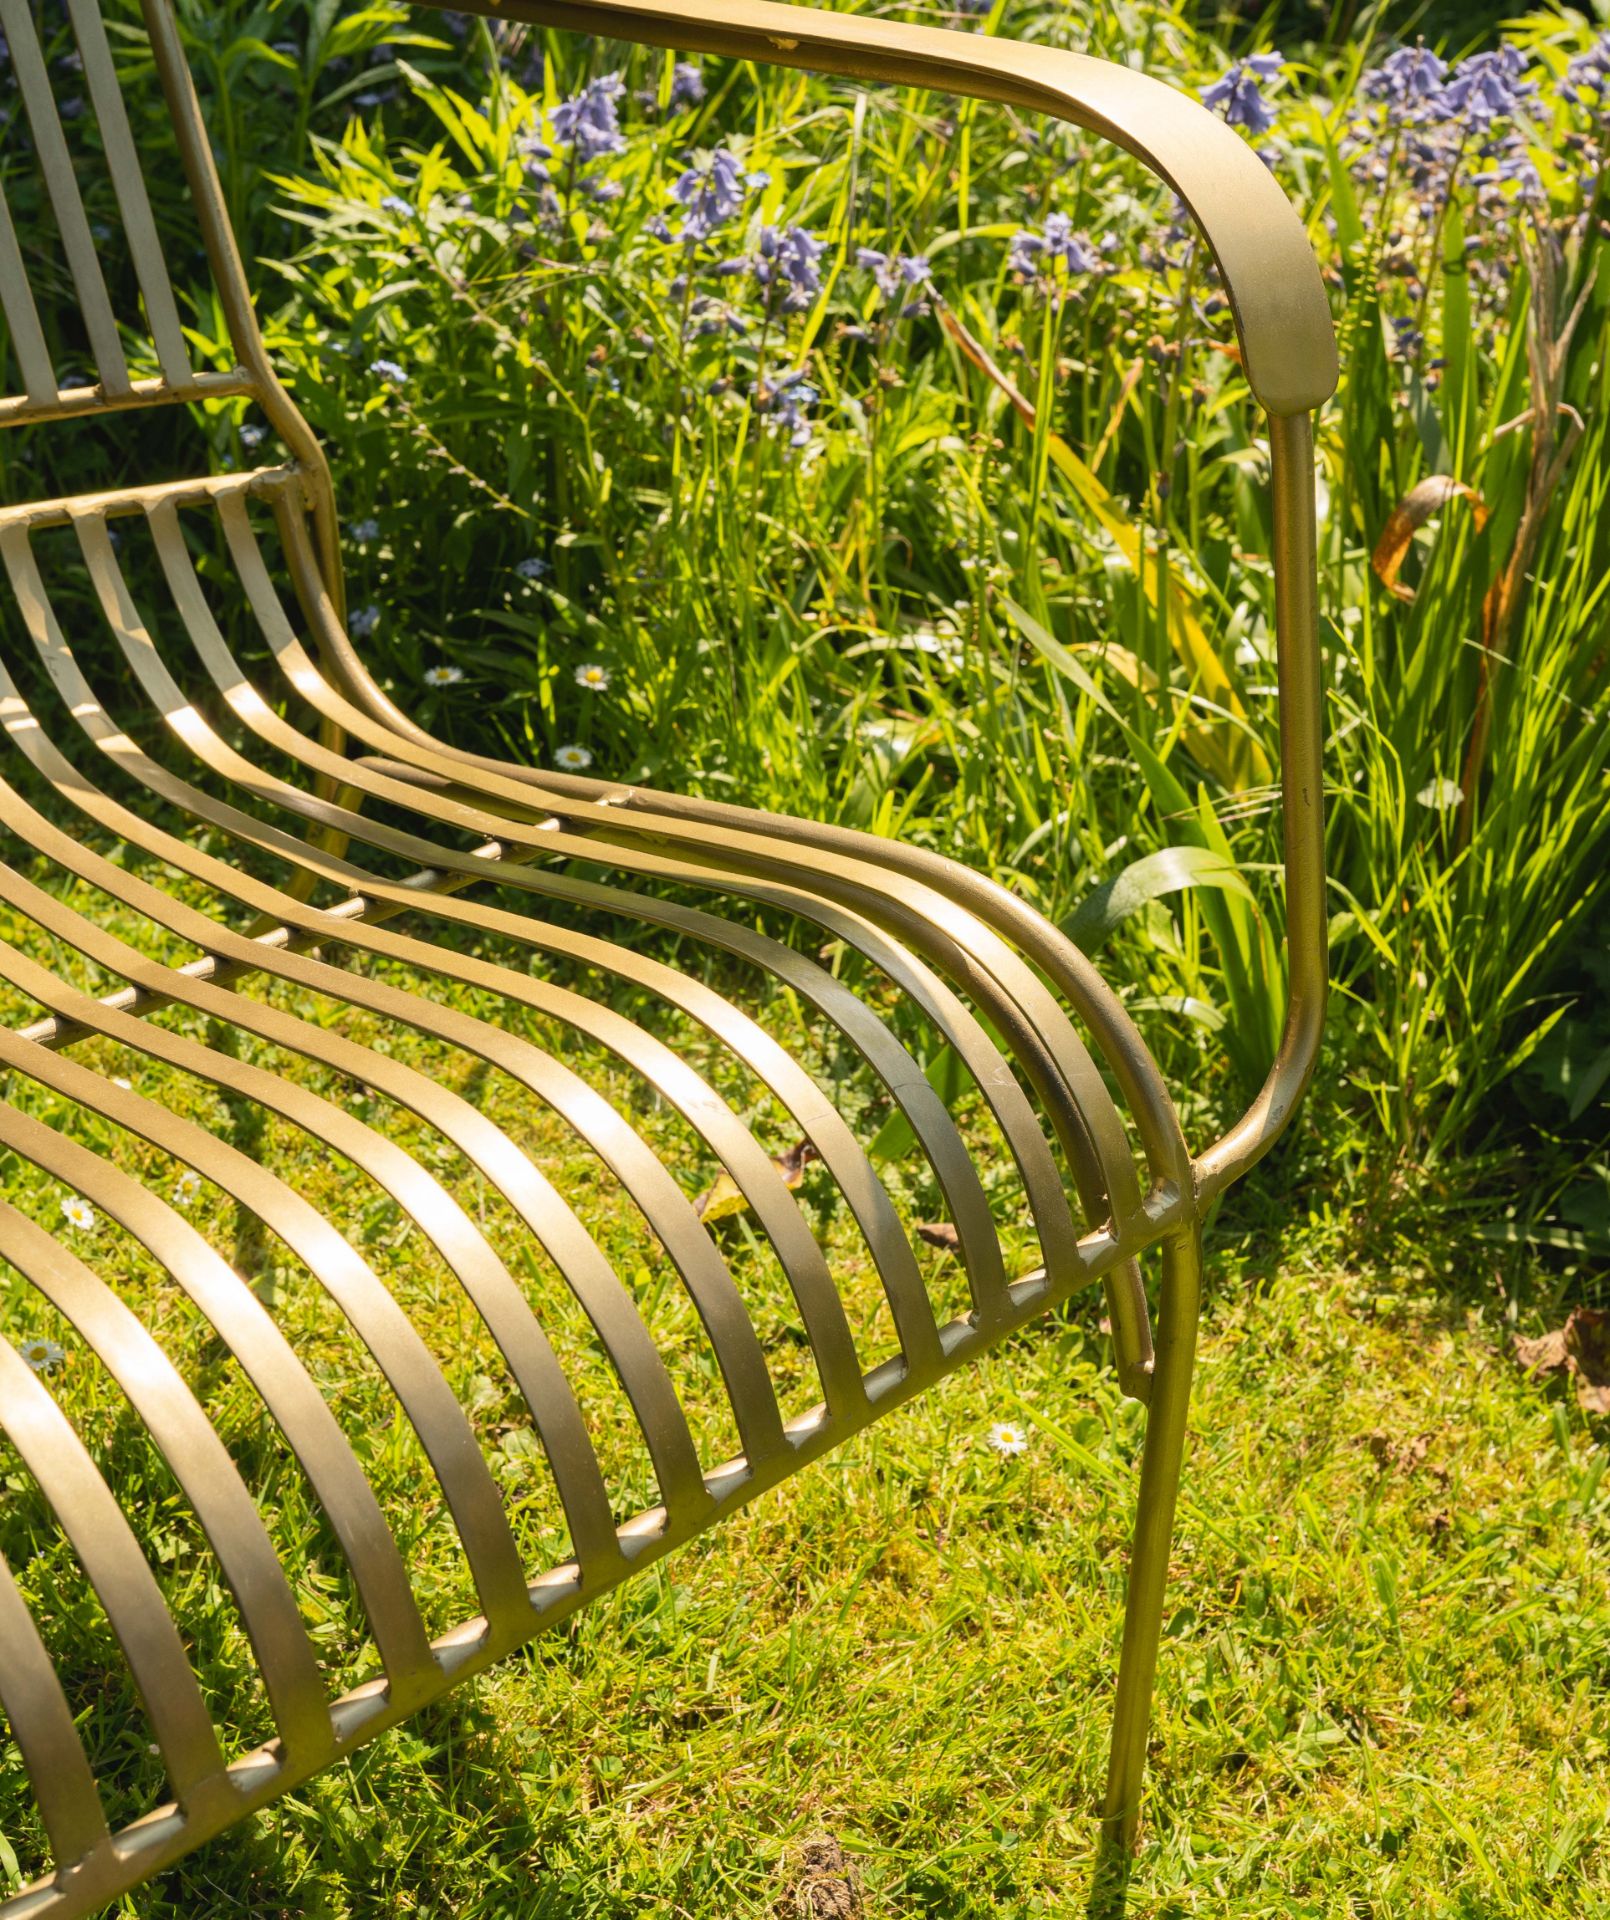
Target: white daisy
(572,759)
(78,1212)
(44,1356)
(186,1188)
(593,677)
(1006,1436)
(443,676)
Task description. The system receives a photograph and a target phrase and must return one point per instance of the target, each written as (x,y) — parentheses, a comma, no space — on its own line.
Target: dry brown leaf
(939,1233)
(1581,1349)
(1425,498)
(724,1197)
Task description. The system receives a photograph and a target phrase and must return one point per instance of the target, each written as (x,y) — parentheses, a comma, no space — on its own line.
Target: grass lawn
(1382,1694)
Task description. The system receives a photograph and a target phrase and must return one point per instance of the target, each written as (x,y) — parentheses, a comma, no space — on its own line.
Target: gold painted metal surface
(329,849)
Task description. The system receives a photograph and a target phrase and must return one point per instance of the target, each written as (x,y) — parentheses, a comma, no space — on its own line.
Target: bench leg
(1154,1532)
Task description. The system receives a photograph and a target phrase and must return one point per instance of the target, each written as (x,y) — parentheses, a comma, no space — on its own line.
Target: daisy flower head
(572,759)
(187,1188)
(78,1212)
(1006,1437)
(44,1356)
(592,677)
(443,676)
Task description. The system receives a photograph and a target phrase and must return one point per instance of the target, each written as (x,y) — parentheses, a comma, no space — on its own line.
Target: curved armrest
(1271,278)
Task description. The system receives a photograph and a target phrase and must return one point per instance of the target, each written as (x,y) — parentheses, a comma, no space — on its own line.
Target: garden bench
(287,835)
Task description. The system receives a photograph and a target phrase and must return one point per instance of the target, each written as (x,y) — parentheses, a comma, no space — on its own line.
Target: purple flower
(895,272)
(587,123)
(784,261)
(1055,249)
(709,195)
(389,370)
(787,401)
(687,85)
(1240,92)
(1485,88)
(1587,78)
(1409,81)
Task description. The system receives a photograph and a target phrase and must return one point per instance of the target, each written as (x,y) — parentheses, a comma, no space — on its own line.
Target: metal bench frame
(915,915)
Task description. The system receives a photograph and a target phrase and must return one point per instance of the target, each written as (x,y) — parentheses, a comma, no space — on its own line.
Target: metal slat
(203,1469)
(78,243)
(128,182)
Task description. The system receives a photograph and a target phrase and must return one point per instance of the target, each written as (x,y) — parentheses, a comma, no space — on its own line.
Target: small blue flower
(785,258)
(1055,249)
(1587,78)
(894,272)
(389,370)
(1240,93)
(687,85)
(394,203)
(362,622)
(252,436)
(1485,88)
(363,531)
(533,569)
(1408,81)
(589,123)
(709,195)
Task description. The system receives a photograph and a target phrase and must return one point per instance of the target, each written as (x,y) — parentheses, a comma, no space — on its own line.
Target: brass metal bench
(301,881)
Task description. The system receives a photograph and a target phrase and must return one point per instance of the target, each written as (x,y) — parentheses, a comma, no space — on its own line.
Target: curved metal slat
(1056,1059)
(117,1570)
(584,1268)
(268,1361)
(56,163)
(206,1474)
(301,671)
(664,1204)
(42,1726)
(22,316)
(485,1279)
(384,1328)
(129,184)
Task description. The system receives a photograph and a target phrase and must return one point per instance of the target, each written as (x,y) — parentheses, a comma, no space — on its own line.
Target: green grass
(1382,1693)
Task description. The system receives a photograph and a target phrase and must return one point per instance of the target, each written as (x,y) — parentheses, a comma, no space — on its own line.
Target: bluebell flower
(1240,92)
(785,259)
(1587,78)
(389,370)
(788,401)
(687,85)
(895,273)
(588,122)
(709,195)
(1485,88)
(1409,83)
(1055,249)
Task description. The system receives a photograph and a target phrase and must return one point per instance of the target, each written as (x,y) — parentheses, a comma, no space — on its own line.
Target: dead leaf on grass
(939,1233)
(826,1885)
(1580,1349)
